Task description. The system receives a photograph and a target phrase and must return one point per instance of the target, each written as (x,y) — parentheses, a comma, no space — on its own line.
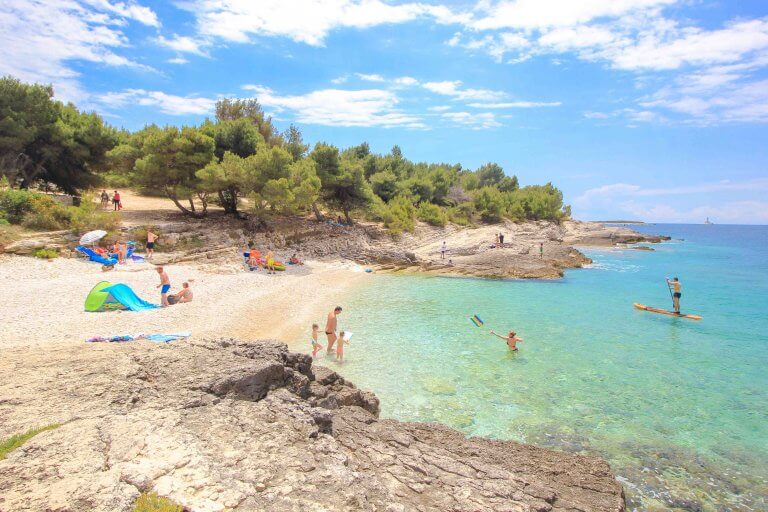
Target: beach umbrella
(92,236)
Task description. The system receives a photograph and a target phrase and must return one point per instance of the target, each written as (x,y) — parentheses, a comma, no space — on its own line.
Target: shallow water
(679,408)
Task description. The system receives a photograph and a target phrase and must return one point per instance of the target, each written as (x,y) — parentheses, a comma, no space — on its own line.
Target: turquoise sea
(679,408)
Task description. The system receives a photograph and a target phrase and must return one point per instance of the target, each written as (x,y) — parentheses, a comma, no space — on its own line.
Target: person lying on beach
(343,340)
(165,286)
(316,346)
(510,338)
(294,260)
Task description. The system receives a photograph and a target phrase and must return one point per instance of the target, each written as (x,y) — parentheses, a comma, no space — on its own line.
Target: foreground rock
(227,425)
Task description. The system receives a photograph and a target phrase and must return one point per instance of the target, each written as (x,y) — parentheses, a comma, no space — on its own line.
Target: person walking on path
(330,328)
(116,201)
(151,238)
(676,287)
(501,239)
(104,200)
(541,249)
(165,286)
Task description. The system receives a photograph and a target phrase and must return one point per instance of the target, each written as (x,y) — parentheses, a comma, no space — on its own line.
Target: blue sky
(644,109)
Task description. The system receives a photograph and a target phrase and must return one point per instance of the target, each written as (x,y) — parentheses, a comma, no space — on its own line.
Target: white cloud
(41,38)
(177,60)
(129,10)
(474,121)
(167,103)
(340,79)
(405,81)
(624,199)
(305,21)
(337,107)
(370,77)
(516,104)
(539,14)
(183,44)
(439,108)
(454,88)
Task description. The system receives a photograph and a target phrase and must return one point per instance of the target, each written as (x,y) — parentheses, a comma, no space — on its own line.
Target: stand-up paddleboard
(665,312)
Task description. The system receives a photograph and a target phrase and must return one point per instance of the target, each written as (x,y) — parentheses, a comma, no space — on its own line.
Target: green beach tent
(99,299)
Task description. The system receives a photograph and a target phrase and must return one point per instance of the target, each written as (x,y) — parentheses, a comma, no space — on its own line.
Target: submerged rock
(230,425)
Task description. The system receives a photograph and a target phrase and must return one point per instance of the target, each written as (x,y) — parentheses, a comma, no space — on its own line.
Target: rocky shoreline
(230,425)
(472,251)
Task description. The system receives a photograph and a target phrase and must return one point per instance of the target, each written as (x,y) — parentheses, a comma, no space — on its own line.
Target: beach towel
(160,338)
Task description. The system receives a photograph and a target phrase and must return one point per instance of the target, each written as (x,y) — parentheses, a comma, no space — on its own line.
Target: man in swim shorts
(165,286)
(151,238)
(330,328)
(677,288)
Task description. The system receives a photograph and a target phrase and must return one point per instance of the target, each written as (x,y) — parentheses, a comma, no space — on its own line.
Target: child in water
(510,338)
(316,346)
(343,340)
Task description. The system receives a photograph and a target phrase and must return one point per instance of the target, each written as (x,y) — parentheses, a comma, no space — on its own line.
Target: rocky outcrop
(229,425)
(598,234)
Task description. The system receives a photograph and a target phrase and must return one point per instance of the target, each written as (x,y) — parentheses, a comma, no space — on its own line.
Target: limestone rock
(244,426)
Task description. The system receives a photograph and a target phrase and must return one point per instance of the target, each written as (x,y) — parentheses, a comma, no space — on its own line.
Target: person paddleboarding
(675,288)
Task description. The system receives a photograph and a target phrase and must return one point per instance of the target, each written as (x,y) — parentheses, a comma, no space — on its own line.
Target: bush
(489,202)
(397,215)
(115,180)
(151,502)
(45,214)
(89,216)
(46,254)
(462,214)
(432,214)
(15,204)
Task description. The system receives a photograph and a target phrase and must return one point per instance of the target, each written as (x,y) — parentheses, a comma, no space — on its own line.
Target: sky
(654,110)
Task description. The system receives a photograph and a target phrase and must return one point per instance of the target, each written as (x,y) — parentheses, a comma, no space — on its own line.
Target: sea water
(678,407)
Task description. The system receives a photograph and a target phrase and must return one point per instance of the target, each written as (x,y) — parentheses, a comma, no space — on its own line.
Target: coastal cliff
(230,425)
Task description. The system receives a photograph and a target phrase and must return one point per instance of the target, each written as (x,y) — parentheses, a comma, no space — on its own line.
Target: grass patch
(13,442)
(151,502)
(46,254)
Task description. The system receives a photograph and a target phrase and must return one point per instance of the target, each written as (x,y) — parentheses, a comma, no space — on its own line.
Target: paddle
(671,295)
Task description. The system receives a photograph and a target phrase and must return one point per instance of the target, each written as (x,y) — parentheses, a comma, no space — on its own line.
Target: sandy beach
(43,301)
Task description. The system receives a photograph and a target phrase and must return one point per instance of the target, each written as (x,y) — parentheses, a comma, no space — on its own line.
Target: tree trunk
(203,196)
(346,214)
(191,204)
(186,211)
(316,210)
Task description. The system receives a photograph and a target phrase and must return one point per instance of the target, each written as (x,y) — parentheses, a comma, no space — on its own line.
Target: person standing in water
(677,288)
(510,338)
(330,328)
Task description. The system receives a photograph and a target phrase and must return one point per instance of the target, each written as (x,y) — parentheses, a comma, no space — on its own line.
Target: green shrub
(151,502)
(15,204)
(4,222)
(432,214)
(45,214)
(46,254)
(89,216)
(397,215)
(11,443)
(462,214)
(115,180)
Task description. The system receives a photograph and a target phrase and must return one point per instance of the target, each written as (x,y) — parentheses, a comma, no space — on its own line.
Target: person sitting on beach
(254,256)
(343,340)
(316,346)
(122,251)
(510,338)
(165,286)
(330,328)
(270,262)
(294,260)
(185,295)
